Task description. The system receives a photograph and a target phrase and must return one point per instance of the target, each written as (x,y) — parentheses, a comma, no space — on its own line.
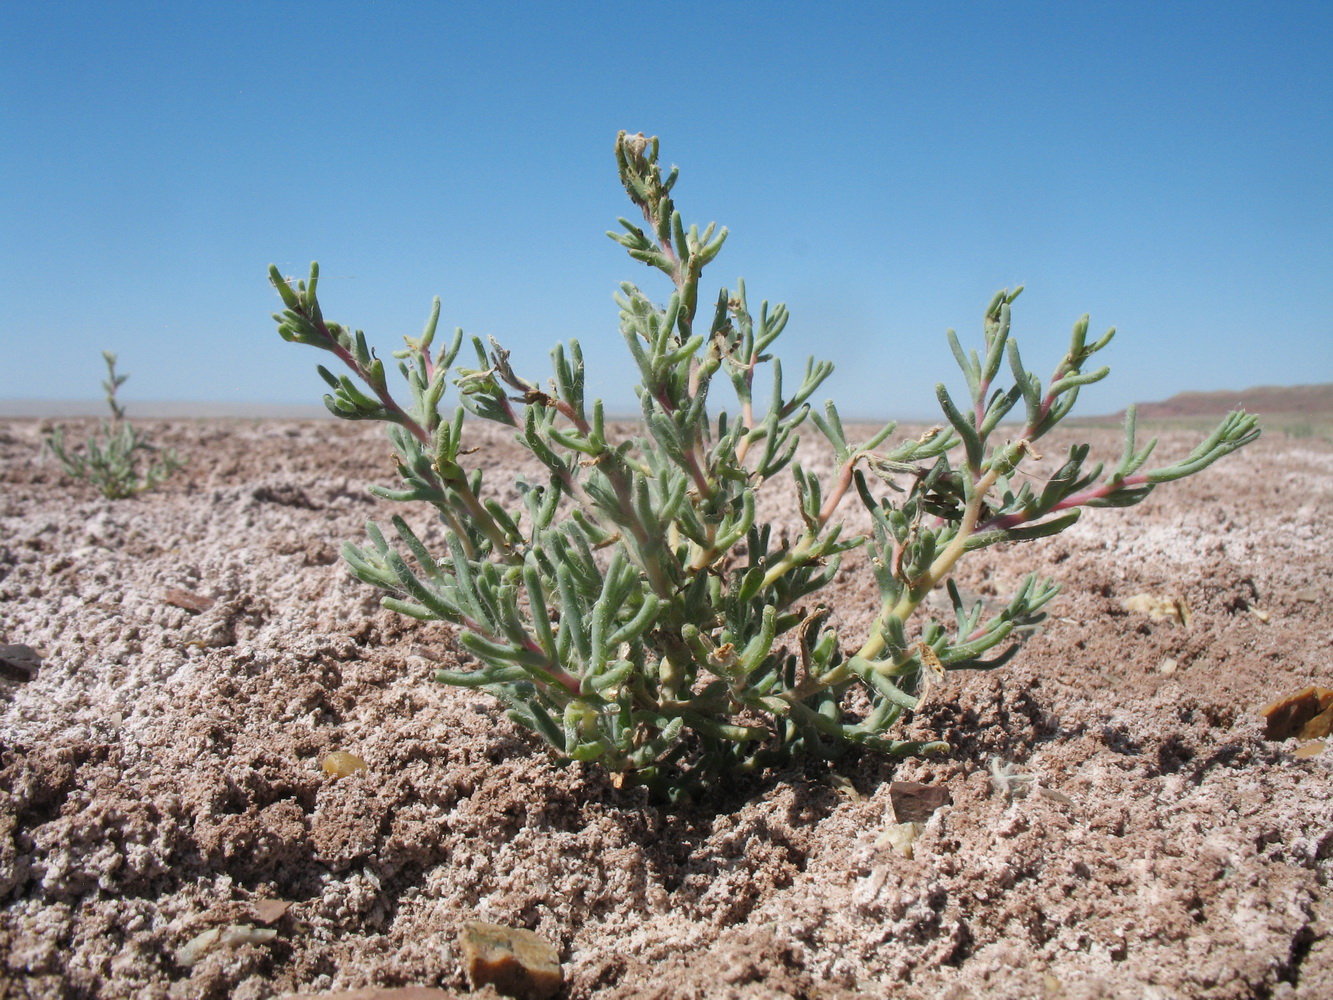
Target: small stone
(1307,714)
(378,993)
(914,802)
(517,962)
(1167,667)
(192,602)
(269,911)
(340,764)
(1318,727)
(1306,596)
(19,661)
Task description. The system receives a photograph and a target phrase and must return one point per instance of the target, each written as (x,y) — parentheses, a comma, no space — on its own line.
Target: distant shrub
(111,459)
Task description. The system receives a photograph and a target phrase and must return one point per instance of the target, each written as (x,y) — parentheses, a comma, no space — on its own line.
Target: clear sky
(883,168)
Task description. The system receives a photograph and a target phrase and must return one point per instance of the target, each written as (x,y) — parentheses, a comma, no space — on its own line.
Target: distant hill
(57,409)
(1265,400)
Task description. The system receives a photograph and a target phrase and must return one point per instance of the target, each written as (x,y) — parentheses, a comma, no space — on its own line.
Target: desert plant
(634,610)
(110,459)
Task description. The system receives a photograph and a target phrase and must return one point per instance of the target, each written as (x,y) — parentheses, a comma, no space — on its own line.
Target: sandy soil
(161,775)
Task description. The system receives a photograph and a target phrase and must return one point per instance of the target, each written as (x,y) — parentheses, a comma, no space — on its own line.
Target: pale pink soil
(162,772)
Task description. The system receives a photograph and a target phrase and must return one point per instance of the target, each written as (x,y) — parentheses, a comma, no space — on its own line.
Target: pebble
(378,993)
(268,911)
(1307,715)
(517,962)
(188,600)
(913,802)
(19,661)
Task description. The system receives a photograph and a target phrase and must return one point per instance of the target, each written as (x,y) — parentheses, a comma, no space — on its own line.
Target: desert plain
(1118,820)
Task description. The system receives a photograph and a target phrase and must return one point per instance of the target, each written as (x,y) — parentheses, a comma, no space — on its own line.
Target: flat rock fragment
(1318,727)
(379,993)
(19,662)
(268,911)
(1307,715)
(914,802)
(517,962)
(188,600)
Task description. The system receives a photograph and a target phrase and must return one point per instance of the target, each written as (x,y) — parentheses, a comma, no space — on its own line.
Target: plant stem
(939,569)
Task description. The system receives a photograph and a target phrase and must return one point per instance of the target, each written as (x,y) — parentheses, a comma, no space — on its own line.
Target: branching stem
(631,609)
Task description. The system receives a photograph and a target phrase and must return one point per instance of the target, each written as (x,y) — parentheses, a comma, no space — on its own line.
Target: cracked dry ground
(160,775)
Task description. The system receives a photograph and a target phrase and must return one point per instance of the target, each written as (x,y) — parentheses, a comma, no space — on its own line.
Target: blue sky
(883,168)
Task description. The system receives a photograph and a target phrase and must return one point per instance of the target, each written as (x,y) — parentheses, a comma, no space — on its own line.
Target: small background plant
(632,609)
(111,459)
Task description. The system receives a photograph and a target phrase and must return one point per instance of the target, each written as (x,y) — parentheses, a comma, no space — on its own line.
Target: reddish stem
(839,491)
(1074,500)
(566,680)
(387,400)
